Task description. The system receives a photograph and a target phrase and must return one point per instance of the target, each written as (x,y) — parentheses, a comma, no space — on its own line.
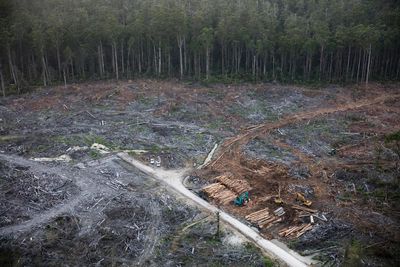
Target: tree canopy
(49,41)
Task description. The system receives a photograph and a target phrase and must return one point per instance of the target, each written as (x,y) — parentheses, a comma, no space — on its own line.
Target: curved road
(173,178)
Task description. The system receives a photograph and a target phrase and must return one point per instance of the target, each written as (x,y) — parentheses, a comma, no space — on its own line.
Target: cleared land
(62,196)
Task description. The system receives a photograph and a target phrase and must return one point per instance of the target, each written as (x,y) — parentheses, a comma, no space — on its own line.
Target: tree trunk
(116,61)
(122,58)
(12,69)
(140,58)
(103,70)
(65,78)
(185,57)
(207,62)
(321,59)
(330,67)
(72,69)
(222,59)
(112,57)
(169,63)
(180,44)
(273,66)
(44,71)
(159,58)
(369,63)
(254,67)
(363,65)
(359,64)
(47,69)
(58,59)
(99,58)
(128,63)
(348,63)
(3,88)
(265,66)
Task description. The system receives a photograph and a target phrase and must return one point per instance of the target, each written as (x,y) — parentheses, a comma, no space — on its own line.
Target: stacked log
(263,219)
(220,193)
(236,185)
(225,196)
(213,188)
(295,231)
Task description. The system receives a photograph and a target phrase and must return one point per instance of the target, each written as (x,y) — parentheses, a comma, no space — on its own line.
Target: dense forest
(55,41)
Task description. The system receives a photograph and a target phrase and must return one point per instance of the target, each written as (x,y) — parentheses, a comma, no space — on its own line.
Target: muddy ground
(61,196)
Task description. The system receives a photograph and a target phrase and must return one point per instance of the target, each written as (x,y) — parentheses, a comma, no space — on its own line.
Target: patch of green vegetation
(155,149)
(84,139)
(384,194)
(252,249)
(94,154)
(91,139)
(140,129)
(293,244)
(8,138)
(39,148)
(354,117)
(146,101)
(393,137)
(70,140)
(346,196)
(175,109)
(8,257)
(218,123)
(353,254)
(132,153)
(216,93)
(268,262)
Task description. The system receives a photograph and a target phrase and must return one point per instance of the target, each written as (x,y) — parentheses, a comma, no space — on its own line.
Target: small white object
(312,219)
(158,164)
(151,161)
(279,211)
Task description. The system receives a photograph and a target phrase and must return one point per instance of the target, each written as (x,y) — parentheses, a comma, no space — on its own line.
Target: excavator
(242,199)
(300,197)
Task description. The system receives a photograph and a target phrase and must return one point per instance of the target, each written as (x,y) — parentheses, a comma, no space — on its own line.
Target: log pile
(263,219)
(236,185)
(295,231)
(225,196)
(211,189)
(220,193)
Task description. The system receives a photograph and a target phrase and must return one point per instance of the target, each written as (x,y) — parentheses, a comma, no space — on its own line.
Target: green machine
(242,199)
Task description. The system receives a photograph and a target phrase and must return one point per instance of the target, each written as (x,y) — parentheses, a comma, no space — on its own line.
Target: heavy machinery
(300,197)
(242,199)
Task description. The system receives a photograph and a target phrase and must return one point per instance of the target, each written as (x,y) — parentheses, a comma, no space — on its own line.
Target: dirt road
(234,143)
(173,178)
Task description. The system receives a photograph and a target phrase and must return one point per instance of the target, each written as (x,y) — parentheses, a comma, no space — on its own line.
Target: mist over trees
(55,41)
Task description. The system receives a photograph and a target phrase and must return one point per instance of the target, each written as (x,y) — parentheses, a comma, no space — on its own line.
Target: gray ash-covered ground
(26,193)
(265,149)
(120,217)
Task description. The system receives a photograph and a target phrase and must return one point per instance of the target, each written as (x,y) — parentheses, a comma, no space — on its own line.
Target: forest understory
(64,191)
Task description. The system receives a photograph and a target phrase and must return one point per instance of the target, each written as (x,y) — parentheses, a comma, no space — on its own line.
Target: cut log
(297,207)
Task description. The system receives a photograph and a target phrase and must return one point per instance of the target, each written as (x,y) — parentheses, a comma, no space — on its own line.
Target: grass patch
(94,154)
(268,262)
(353,254)
(84,140)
